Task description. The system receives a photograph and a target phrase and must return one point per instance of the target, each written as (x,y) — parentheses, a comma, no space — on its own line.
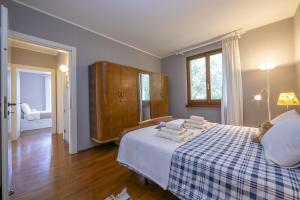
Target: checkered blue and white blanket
(223,163)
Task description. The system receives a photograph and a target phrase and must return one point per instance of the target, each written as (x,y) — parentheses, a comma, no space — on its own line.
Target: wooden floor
(43,169)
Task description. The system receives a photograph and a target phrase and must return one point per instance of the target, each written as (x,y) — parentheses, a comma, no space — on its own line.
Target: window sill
(203,105)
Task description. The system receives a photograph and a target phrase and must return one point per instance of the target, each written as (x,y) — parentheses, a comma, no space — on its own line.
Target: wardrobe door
(111,75)
(129,115)
(156,98)
(95,100)
(164,105)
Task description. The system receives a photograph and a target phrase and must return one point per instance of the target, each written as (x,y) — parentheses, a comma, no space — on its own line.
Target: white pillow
(291,114)
(25,108)
(282,143)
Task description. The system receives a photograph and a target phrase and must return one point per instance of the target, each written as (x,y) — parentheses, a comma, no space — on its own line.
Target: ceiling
(161,27)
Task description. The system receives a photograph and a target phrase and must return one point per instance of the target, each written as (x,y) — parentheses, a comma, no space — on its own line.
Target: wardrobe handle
(119,93)
(122,94)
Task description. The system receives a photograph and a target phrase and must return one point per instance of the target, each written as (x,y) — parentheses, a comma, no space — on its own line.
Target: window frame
(208,102)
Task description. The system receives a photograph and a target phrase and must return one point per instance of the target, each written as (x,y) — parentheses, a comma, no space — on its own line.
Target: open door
(6,171)
(66,106)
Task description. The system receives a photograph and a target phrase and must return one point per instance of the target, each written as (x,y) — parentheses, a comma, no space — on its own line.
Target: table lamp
(287,99)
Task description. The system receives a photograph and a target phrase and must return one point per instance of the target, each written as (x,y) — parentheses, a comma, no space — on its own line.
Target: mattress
(149,155)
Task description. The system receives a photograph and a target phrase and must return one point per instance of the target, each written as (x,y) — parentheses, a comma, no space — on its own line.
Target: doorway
(40,103)
(65,81)
(39,80)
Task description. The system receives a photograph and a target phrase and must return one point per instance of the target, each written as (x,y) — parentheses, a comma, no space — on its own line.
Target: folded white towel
(172,131)
(174,126)
(176,138)
(198,122)
(198,126)
(196,118)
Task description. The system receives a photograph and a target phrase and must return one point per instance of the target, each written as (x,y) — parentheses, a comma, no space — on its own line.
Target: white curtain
(232,99)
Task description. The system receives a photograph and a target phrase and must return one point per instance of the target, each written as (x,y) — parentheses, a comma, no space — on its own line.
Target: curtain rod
(238,32)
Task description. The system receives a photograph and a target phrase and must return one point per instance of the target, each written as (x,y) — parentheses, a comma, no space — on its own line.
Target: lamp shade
(287,99)
(267,66)
(64,68)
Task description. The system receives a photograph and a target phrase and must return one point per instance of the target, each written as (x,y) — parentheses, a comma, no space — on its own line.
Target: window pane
(216,76)
(198,79)
(145,87)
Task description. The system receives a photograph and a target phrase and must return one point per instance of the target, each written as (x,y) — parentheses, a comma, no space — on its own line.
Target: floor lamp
(266,67)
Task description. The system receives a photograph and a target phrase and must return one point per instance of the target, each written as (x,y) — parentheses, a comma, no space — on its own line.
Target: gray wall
(32,90)
(90,48)
(175,67)
(32,58)
(270,43)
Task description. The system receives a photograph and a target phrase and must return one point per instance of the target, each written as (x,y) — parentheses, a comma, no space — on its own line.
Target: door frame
(73,148)
(16,69)
(5,166)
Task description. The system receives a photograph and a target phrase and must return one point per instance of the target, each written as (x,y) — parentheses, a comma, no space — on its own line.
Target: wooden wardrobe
(114,100)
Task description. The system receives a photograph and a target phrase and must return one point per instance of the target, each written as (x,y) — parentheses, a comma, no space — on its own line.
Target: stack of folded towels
(174,131)
(197,122)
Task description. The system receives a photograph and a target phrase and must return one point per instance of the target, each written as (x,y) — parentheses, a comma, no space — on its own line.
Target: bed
(32,119)
(220,163)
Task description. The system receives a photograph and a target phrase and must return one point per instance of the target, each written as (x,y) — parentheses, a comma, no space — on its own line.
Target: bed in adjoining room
(219,163)
(32,119)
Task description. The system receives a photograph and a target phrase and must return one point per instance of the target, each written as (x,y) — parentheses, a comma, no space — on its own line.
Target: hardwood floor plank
(43,169)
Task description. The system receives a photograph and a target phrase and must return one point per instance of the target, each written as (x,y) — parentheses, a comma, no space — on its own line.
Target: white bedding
(34,115)
(148,154)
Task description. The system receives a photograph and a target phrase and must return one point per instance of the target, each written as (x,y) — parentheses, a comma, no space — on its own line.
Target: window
(204,78)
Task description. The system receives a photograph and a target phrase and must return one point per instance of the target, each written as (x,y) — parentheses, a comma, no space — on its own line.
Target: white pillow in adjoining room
(282,143)
(25,108)
(291,114)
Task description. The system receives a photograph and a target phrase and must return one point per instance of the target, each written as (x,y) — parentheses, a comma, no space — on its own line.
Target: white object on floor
(122,196)
(148,154)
